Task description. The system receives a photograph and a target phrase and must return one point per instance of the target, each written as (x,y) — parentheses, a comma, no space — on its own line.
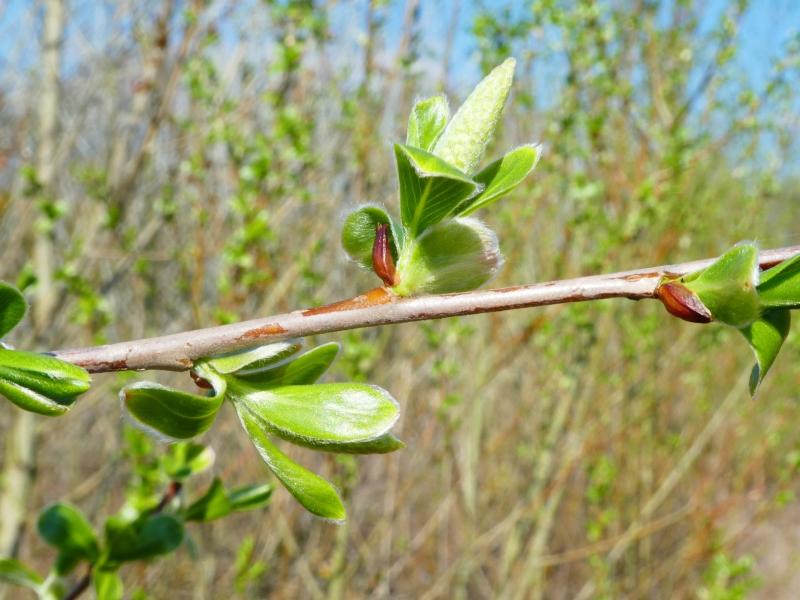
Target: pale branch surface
(177,352)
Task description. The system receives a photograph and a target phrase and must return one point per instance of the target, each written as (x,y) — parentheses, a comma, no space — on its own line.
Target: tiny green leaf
(64,526)
(173,413)
(465,138)
(501,177)
(780,286)
(12,307)
(40,383)
(250,497)
(430,188)
(728,287)
(317,495)
(304,369)
(14,572)
(255,358)
(766,336)
(454,256)
(358,234)
(107,584)
(186,459)
(142,538)
(427,121)
(214,504)
(326,413)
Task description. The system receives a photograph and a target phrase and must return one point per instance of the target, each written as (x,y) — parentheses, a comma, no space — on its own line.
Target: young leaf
(40,383)
(171,412)
(107,584)
(326,413)
(186,459)
(427,121)
(780,286)
(501,177)
(380,445)
(304,369)
(12,307)
(214,504)
(454,256)
(254,359)
(766,336)
(465,138)
(64,526)
(317,495)
(250,497)
(15,573)
(430,188)
(142,538)
(358,234)
(728,287)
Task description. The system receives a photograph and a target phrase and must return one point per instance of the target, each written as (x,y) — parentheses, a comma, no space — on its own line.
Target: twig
(177,352)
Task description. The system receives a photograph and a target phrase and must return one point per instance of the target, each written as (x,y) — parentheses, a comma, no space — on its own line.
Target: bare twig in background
(177,352)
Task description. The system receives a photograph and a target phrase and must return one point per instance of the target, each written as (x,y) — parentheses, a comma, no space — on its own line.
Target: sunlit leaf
(779,286)
(427,121)
(12,307)
(766,336)
(40,383)
(211,505)
(317,495)
(185,459)
(501,177)
(430,188)
(380,445)
(107,584)
(173,413)
(250,497)
(728,287)
(454,256)
(64,526)
(466,136)
(255,358)
(14,572)
(358,234)
(304,369)
(327,413)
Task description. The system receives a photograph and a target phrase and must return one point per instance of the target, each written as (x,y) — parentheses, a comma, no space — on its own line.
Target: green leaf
(304,369)
(455,256)
(185,459)
(728,287)
(14,572)
(211,505)
(427,121)
(780,286)
(40,383)
(465,139)
(174,413)
(250,497)
(430,188)
(107,584)
(766,336)
(64,526)
(317,495)
(255,358)
(380,445)
(501,177)
(326,413)
(358,234)
(143,538)
(12,307)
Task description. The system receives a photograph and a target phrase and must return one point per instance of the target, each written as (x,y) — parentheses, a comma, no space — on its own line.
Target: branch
(177,352)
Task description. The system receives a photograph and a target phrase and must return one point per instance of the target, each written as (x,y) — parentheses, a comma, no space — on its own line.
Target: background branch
(177,352)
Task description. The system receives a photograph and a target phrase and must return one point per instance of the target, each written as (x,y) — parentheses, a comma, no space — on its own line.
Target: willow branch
(178,352)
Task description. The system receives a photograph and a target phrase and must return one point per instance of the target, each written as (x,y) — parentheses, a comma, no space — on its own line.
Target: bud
(382,261)
(683,303)
(465,138)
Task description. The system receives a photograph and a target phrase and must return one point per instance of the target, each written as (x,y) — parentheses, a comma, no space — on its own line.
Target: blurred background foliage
(175,164)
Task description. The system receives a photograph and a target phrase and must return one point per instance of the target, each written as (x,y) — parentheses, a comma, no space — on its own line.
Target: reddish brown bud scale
(200,381)
(681,302)
(382,261)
